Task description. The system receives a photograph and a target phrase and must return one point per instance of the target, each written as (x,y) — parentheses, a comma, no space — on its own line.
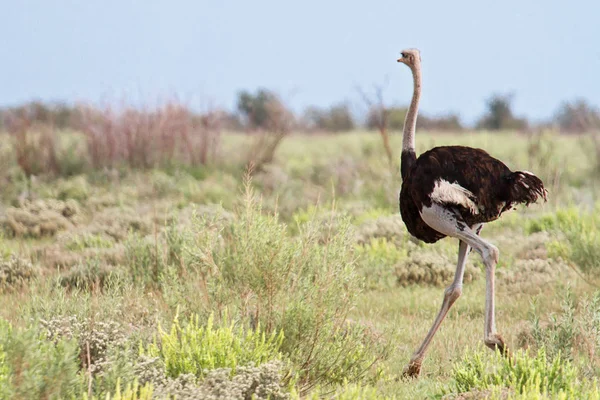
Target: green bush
(304,285)
(76,188)
(522,374)
(194,349)
(35,368)
(578,238)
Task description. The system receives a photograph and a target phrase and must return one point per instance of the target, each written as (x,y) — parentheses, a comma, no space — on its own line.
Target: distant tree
(254,108)
(499,115)
(577,117)
(337,118)
(397,115)
(449,122)
(269,121)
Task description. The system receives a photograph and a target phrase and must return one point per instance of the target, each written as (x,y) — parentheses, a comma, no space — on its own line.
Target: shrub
(194,349)
(34,145)
(93,337)
(578,239)
(559,336)
(16,271)
(166,135)
(428,268)
(37,368)
(303,285)
(573,332)
(524,373)
(389,227)
(263,382)
(40,218)
(118,222)
(577,116)
(76,188)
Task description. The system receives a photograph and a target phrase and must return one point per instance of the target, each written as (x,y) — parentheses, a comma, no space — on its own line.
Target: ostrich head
(411,57)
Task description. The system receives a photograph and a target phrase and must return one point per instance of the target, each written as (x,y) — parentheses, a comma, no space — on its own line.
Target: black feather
(494,187)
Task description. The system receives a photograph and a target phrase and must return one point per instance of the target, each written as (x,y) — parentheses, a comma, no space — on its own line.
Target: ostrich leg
(451,294)
(446,221)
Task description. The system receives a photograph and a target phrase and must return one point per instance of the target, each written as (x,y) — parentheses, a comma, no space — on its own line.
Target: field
(297,280)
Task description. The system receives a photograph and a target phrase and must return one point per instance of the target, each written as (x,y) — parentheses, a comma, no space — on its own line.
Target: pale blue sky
(312,52)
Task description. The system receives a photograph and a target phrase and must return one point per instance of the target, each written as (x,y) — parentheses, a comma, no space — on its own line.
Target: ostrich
(452,191)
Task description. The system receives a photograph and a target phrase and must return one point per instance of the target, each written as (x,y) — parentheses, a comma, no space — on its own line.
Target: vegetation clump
(16,271)
(431,269)
(523,374)
(40,218)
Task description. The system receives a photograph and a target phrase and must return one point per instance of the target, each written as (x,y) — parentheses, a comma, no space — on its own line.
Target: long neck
(409,156)
(410,123)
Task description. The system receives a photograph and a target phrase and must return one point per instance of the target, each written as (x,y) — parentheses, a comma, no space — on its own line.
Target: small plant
(521,373)
(16,271)
(194,349)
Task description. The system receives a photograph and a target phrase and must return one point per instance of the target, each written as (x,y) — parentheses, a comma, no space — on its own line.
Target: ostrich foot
(412,370)
(495,342)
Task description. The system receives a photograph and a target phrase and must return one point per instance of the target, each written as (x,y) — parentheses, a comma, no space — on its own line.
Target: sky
(311,52)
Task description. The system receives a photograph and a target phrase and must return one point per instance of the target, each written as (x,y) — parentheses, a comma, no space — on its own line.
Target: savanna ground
(197,282)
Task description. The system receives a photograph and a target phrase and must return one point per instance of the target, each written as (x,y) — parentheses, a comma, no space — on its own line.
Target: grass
(301,283)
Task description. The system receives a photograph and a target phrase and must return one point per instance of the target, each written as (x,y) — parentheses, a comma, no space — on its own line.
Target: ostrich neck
(410,123)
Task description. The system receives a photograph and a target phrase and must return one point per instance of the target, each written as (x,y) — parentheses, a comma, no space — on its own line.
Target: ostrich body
(453,191)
